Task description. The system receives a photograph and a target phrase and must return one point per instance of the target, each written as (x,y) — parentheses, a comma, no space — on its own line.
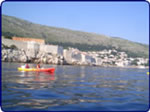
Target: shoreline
(113,66)
(32,52)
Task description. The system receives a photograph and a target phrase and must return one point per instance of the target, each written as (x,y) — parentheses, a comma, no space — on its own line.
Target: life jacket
(27,66)
(38,66)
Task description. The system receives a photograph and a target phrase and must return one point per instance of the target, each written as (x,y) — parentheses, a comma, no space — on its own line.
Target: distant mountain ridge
(12,26)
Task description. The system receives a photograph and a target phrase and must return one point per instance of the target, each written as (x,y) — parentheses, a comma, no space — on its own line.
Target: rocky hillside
(12,26)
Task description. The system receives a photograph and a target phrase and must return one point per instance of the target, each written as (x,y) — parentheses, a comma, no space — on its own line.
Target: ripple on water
(75,88)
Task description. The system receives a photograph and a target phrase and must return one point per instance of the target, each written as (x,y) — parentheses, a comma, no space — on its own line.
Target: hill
(12,26)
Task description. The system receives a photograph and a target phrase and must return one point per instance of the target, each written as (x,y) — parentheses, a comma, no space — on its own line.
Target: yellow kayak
(37,70)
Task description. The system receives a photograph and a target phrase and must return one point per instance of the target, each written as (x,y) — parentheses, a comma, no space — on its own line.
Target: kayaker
(27,66)
(38,66)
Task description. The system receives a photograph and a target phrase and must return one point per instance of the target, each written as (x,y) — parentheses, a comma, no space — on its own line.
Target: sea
(74,88)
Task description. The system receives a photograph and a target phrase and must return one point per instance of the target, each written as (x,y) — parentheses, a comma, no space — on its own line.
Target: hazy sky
(128,20)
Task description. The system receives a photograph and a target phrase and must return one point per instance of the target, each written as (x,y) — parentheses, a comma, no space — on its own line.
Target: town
(28,50)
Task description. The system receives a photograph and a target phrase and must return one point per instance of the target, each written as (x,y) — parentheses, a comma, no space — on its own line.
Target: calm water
(75,88)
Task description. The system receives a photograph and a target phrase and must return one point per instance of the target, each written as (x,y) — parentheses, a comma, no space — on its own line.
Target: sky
(128,20)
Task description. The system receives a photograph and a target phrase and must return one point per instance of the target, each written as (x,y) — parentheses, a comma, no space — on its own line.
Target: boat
(51,70)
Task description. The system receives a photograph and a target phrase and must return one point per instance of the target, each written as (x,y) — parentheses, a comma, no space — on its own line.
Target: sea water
(75,88)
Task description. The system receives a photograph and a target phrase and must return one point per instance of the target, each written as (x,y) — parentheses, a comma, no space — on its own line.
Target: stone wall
(33,47)
(18,44)
(73,56)
(52,49)
(60,50)
(67,56)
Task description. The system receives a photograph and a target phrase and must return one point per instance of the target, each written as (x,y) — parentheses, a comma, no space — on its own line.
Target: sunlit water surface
(75,88)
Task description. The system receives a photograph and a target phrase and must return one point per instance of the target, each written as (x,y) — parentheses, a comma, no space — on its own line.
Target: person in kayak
(38,66)
(27,66)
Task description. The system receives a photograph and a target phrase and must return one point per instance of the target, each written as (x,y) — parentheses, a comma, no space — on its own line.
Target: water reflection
(36,76)
(44,78)
(34,80)
(82,73)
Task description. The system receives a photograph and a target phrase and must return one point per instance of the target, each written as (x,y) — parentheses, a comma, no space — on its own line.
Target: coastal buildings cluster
(32,51)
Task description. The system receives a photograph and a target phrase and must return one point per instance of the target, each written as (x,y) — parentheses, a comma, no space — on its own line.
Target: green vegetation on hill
(84,41)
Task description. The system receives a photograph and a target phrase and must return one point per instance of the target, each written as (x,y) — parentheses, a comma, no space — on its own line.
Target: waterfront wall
(18,44)
(53,49)
(53,54)
(31,46)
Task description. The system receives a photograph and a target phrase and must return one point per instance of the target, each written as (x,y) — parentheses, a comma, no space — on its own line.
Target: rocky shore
(31,52)
(20,55)
(17,55)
